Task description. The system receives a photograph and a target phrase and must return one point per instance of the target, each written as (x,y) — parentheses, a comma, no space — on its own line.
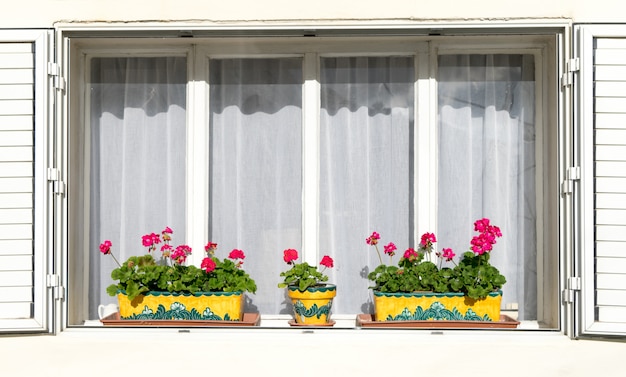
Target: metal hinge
(572,65)
(54,70)
(54,176)
(54,281)
(572,174)
(574,284)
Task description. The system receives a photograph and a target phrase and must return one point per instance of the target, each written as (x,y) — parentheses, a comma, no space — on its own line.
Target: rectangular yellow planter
(207,306)
(425,306)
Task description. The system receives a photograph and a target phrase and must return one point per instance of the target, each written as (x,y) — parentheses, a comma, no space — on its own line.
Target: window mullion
(197,155)
(426,142)
(310,160)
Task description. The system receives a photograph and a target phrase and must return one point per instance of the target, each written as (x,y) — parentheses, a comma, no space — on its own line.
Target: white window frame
(424,49)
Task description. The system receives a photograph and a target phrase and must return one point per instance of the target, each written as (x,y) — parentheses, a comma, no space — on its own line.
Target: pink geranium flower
(373,239)
(105,247)
(448,254)
(208,265)
(390,249)
(166,234)
(411,254)
(236,254)
(290,255)
(180,254)
(327,262)
(150,241)
(428,239)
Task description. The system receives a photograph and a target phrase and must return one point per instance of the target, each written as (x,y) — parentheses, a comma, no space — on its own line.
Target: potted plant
(168,289)
(310,295)
(419,288)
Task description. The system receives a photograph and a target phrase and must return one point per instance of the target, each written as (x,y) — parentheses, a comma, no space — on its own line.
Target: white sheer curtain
(487,163)
(256,167)
(137,159)
(366,167)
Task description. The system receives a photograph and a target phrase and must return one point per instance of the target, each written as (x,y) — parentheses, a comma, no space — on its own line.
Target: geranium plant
(303,275)
(420,270)
(141,274)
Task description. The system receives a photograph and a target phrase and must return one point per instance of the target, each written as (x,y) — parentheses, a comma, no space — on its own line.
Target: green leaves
(473,276)
(303,275)
(139,275)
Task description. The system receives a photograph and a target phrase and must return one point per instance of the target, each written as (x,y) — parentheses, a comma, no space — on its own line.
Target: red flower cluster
(290,255)
(208,265)
(327,262)
(236,254)
(484,242)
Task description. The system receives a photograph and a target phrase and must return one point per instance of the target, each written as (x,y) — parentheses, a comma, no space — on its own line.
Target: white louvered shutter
(23,130)
(603,155)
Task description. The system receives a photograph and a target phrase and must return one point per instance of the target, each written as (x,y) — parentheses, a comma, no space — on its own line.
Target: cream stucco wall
(45,13)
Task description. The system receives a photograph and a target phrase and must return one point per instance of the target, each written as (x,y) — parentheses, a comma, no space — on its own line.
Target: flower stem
(378,252)
(115,259)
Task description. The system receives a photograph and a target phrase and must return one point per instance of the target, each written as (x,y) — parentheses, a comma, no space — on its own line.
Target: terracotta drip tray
(505,322)
(330,323)
(249,319)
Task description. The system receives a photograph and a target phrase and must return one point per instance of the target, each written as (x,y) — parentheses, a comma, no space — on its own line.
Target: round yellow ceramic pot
(425,306)
(312,307)
(208,306)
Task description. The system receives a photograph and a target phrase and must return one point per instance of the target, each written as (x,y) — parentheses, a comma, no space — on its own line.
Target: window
(270,144)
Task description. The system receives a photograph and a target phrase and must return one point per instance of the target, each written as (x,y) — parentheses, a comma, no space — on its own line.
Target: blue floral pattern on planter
(177,311)
(437,311)
(314,310)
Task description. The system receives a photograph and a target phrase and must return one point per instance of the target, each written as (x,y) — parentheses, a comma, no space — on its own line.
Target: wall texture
(44,13)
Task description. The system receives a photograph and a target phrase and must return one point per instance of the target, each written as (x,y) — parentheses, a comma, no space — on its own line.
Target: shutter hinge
(572,65)
(54,70)
(54,176)
(572,174)
(54,281)
(574,284)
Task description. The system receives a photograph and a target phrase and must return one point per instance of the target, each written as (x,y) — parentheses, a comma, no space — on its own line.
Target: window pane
(137,159)
(366,167)
(487,163)
(256,167)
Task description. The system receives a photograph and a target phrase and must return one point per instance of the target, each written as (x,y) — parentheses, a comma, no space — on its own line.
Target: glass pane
(487,164)
(137,159)
(256,167)
(366,167)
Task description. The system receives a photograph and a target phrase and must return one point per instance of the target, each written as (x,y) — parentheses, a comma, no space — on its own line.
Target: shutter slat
(15,310)
(16,294)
